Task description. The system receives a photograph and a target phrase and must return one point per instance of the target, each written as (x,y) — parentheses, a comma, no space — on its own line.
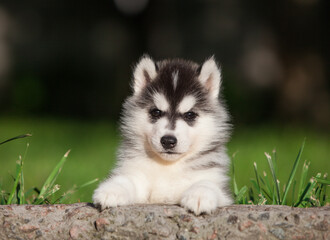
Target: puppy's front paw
(111,196)
(199,200)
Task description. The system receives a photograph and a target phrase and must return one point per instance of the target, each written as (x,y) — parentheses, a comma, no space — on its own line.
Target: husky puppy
(174,132)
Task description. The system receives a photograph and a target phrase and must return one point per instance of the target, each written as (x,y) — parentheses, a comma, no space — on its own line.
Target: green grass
(249,145)
(48,192)
(267,190)
(92,153)
(93,146)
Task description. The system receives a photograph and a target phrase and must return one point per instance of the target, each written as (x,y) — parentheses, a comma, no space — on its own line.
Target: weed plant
(267,189)
(45,195)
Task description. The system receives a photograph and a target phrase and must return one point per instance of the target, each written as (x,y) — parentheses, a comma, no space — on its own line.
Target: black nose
(168,142)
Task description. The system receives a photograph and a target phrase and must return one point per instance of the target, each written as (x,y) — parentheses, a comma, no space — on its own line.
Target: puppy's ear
(144,73)
(210,77)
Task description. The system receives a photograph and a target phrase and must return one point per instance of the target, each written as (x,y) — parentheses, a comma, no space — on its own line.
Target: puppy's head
(175,111)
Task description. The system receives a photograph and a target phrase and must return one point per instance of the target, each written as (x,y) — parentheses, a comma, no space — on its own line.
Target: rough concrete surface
(84,221)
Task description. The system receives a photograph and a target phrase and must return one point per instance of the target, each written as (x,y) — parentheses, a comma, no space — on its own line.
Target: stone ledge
(84,221)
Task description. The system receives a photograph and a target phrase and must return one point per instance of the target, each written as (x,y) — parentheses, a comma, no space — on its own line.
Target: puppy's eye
(155,113)
(189,116)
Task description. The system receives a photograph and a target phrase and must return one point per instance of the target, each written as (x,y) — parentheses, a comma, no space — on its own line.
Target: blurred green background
(65,69)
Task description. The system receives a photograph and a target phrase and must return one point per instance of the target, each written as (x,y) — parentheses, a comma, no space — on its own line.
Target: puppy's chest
(167,185)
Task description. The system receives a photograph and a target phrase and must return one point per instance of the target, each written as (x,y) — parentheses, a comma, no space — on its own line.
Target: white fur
(203,196)
(175,76)
(187,104)
(161,102)
(146,175)
(147,65)
(210,77)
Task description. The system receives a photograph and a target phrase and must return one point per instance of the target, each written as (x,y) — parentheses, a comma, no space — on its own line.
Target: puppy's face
(172,129)
(174,101)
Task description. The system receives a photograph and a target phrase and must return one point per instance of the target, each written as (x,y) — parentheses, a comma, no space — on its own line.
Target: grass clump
(267,190)
(45,195)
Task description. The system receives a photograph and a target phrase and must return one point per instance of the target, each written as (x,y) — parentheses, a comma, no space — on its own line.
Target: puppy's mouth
(170,153)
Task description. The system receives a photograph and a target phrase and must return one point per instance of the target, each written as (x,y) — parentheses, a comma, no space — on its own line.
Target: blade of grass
(293,172)
(17,137)
(302,196)
(323,181)
(21,183)
(250,196)
(303,177)
(270,163)
(254,183)
(50,192)
(87,183)
(325,198)
(323,193)
(74,189)
(319,194)
(279,187)
(260,196)
(306,192)
(234,177)
(314,183)
(30,191)
(14,188)
(266,194)
(266,183)
(241,193)
(293,192)
(52,177)
(257,178)
(274,160)
(235,185)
